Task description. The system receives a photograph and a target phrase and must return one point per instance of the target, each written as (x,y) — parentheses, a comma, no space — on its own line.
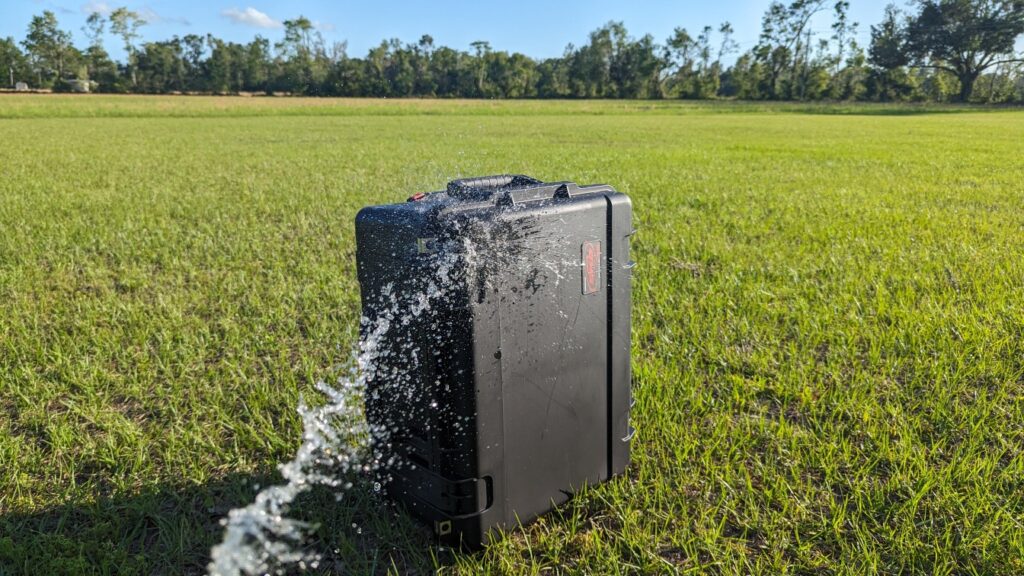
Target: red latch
(591,266)
(417,197)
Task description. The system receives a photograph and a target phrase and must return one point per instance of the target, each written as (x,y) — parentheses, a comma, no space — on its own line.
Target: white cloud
(146,12)
(250,17)
(153,17)
(101,7)
(324,26)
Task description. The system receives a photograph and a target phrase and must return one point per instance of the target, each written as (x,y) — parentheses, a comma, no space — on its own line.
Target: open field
(828,327)
(115,106)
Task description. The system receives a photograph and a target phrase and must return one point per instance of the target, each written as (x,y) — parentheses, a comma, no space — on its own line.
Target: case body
(502,380)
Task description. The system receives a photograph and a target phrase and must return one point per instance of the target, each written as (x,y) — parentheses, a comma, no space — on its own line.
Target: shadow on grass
(170,529)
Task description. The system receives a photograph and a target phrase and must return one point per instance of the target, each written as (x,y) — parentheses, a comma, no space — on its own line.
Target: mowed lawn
(828,335)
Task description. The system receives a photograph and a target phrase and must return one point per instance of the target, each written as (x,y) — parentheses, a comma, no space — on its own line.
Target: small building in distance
(76,85)
(21,87)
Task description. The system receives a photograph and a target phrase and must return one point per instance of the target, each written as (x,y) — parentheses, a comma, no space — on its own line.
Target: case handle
(470,186)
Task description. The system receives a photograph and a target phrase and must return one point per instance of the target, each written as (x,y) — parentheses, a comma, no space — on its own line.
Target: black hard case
(512,390)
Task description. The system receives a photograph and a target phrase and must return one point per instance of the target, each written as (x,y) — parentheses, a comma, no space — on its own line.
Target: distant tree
(300,37)
(423,51)
(888,57)
(965,37)
(999,84)
(681,58)
(692,67)
(99,67)
(935,85)
(303,57)
(256,65)
(226,66)
(126,24)
(48,46)
(480,47)
(843,33)
(13,64)
(851,81)
(161,67)
(784,47)
(888,49)
(726,46)
(375,66)
(521,80)
(346,78)
(444,69)
(193,50)
(553,78)
(849,71)
(95,26)
(705,85)
(401,69)
(590,64)
(478,69)
(745,79)
(636,68)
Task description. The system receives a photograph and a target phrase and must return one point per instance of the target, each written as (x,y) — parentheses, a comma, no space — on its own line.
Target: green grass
(115,106)
(829,310)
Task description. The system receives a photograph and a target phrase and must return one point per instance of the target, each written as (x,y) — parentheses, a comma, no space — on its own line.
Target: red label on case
(591,252)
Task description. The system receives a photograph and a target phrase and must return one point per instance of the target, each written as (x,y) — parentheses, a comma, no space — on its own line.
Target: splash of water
(336,441)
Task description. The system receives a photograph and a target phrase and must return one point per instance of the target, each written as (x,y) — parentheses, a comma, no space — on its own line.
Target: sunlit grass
(120,106)
(827,331)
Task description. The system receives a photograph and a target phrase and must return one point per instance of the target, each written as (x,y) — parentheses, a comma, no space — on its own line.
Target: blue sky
(534,27)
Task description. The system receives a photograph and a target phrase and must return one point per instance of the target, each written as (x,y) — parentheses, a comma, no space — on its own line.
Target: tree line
(936,50)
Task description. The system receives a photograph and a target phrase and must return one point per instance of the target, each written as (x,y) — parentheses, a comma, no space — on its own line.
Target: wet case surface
(503,380)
